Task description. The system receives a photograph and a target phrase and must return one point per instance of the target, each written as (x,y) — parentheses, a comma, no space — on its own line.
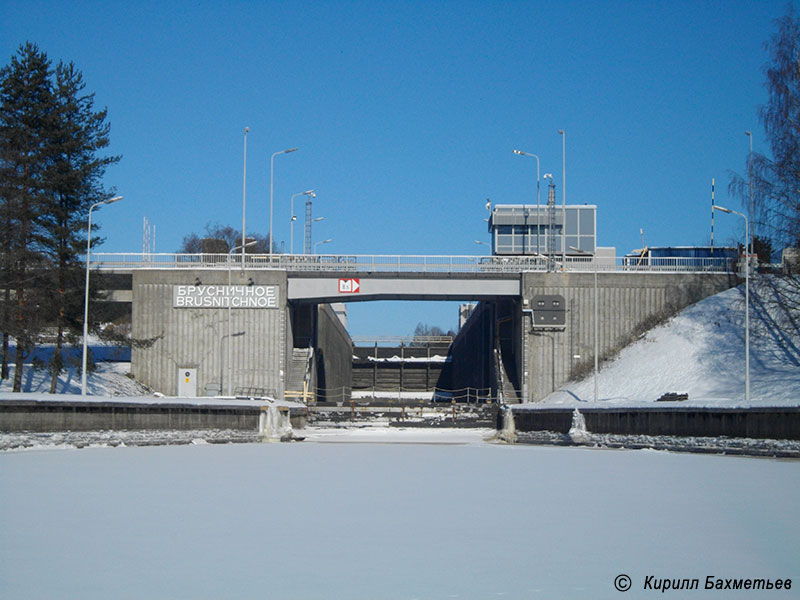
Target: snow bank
(701,352)
(108,379)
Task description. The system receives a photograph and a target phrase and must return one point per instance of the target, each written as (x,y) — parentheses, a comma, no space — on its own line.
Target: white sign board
(225,296)
(349,286)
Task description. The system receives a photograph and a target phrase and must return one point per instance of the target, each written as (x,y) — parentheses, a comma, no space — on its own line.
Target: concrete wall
(535,361)
(472,363)
(488,351)
(627,303)
(193,337)
(773,423)
(99,416)
(334,357)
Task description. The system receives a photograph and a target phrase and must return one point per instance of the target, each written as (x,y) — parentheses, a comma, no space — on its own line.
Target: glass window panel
(587,244)
(572,221)
(587,221)
(572,243)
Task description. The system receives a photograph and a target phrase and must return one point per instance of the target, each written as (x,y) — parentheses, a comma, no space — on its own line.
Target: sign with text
(349,286)
(225,296)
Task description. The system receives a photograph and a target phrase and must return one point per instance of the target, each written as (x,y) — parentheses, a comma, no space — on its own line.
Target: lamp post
(307,235)
(230,350)
(752,207)
(271,181)
(244,192)
(538,216)
(480,243)
(309,193)
(228,335)
(563,195)
(746,301)
(596,327)
(328,241)
(86,295)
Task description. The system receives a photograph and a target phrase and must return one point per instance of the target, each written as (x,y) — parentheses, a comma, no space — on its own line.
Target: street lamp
(596,321)
(271,179)
(746,300)
(309,193)
(86,295)
(538,216)
(307,234)
(328,241)
(752,207)
(563,195)
(228,335)
(483,244)
(244,192)
(230,351)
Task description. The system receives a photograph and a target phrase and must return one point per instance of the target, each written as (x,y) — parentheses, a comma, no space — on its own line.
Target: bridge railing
(361,263)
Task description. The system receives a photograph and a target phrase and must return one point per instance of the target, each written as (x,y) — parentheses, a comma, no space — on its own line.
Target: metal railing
(374,263)
(397,340)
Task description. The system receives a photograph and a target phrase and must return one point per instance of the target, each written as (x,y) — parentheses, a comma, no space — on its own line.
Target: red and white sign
(349,286)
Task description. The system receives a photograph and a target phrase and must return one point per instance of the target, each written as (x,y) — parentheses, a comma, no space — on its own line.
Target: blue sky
(406,114)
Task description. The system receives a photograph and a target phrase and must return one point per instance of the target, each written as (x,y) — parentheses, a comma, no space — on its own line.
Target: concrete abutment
(503,347)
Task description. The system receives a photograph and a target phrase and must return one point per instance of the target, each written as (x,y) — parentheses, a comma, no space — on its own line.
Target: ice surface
(311,521)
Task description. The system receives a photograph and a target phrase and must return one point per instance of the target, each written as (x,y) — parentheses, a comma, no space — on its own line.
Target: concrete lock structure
(530,332)
(183,321)
(196,335)
(213,324)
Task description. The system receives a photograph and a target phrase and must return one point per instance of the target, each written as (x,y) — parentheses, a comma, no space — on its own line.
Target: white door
(187,383)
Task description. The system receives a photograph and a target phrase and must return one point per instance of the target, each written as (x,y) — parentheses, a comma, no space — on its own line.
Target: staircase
(297,373)
(506,391)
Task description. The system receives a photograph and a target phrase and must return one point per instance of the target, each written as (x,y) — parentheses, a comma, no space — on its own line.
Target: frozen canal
(368,520)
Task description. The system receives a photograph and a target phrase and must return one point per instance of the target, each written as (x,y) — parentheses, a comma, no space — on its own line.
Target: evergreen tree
(26,102)
(74,182)
(50,175)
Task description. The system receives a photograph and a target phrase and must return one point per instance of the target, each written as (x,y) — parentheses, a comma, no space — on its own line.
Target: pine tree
(50,175)
(74,182)
(26,104)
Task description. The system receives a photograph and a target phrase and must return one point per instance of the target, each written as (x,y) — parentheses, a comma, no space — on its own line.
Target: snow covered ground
(465,519)
(701,352)
(108,379)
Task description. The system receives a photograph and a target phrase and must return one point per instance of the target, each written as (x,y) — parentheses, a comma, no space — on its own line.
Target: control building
(522,229)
